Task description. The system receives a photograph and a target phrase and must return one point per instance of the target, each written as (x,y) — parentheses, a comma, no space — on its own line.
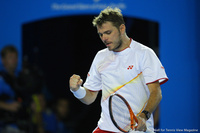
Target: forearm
(82,93)
(154,99)
(89,97)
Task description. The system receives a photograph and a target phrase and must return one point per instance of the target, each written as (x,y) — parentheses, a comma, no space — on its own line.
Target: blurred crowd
(24,107)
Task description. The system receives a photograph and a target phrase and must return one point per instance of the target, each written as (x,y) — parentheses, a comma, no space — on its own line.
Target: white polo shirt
(127,72)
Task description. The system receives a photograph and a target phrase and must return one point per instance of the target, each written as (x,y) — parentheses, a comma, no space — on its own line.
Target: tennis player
(124,61)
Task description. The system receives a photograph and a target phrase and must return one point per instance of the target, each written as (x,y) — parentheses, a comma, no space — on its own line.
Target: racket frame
(132,116)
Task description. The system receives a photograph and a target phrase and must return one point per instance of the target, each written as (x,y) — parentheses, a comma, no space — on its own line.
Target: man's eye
(108,32)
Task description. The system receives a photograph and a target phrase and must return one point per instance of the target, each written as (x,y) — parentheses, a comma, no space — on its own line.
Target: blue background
(179,36)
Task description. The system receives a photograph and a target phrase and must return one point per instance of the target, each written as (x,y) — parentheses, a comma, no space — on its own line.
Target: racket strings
(121,113)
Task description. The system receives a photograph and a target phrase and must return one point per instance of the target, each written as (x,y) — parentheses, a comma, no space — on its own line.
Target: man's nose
(104,38)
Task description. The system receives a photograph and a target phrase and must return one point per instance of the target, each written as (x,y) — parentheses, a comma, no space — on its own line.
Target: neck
(125,43)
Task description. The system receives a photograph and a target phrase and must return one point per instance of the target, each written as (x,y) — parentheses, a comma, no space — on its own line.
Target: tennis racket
(121,113)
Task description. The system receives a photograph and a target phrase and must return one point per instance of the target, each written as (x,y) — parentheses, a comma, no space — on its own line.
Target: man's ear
(122,28)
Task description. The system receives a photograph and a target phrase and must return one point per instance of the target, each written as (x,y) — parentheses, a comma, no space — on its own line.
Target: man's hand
(75,82)
(141,123)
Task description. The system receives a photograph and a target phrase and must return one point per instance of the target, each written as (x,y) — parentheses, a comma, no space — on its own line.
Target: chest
(120,68)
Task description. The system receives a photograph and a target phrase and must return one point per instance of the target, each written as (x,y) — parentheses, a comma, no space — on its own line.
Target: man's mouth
(108,43)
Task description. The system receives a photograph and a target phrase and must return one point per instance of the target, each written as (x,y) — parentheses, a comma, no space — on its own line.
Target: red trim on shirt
(126,47)
(164,81)
(98,130)
(93,90)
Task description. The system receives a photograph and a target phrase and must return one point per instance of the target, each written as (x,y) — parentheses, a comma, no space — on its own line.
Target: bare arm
(75,82)
(13,107)
(155,96)
(90,97)
(154,99)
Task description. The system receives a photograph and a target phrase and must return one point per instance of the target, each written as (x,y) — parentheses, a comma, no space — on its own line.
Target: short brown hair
(109,14)
(8,49)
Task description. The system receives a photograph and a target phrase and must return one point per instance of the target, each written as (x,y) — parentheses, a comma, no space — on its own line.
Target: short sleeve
(93,81)
(152,68)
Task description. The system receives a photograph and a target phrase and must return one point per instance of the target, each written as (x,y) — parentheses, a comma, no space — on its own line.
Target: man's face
(110,36)
(10,61)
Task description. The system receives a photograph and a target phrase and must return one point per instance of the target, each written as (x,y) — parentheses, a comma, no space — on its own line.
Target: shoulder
(103,53)
(141,51)
(141,48)
(4,86)
(3,82)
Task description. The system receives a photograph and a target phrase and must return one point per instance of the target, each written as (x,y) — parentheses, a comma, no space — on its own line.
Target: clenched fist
(75,82)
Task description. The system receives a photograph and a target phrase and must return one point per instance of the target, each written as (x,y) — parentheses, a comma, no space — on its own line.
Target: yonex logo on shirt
(130,67)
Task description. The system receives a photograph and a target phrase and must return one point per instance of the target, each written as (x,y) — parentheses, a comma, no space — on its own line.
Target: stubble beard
(119,44)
